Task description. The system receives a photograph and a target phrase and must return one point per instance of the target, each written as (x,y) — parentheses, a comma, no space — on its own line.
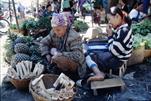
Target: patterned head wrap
(59,19)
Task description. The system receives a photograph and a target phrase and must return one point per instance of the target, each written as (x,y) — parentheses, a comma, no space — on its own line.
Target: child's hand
(109,30)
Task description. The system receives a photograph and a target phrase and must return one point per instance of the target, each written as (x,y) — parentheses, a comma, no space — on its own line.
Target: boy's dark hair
(125,1)
(43,7)
(115,10)
(48,5)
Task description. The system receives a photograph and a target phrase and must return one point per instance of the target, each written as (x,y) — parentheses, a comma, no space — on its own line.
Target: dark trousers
(106,61)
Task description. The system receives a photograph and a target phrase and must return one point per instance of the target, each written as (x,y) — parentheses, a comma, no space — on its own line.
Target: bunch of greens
(44,22)
(80,26)
(142,28)
(29,24)
(137,41)
(147,40)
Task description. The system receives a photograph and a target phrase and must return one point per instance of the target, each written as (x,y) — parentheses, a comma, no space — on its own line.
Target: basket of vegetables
(147,51)
(138,50)
(80,26)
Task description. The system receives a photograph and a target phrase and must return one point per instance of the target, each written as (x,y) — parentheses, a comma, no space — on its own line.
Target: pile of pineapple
(21,48)
(24,56)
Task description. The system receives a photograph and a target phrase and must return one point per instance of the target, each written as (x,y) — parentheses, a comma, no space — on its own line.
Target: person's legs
(106,61)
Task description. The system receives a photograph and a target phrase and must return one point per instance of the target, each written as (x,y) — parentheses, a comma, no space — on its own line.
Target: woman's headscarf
(59,19)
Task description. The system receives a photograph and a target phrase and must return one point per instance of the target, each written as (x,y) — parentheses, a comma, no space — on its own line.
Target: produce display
(44,23)
(147,40)
(137,41)
(142,34)
(21,48)
(80,26)
(143,28)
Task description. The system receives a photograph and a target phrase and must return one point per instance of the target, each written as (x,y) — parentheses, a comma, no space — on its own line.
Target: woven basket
(21,84)
(48,80)
(137,56)
(147,53)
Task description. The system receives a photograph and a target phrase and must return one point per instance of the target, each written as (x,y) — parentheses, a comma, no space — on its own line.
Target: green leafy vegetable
(80,26)
(147,40)
(44,22)
(142,28)
(137,41)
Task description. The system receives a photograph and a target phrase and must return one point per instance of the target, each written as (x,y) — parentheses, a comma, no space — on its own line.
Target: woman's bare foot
(97,77)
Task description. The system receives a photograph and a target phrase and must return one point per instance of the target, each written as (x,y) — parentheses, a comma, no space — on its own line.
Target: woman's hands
(109,30)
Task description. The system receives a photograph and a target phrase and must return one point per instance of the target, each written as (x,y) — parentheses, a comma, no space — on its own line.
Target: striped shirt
(120,43)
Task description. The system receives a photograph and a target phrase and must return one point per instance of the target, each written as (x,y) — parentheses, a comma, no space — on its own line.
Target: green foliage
(9,52)
(29,39)
(142,28)
(80,26)
(147,40)
(137,40)
(13,26)
(29,24)
(44,22)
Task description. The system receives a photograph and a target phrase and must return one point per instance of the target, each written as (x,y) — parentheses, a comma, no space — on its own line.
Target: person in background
(124,6)
(48,12)
(119,45)
(65,5)
(21,10)
(41,11)
(97,12)
(55,6)
(146,4)
(63,47)
(137,14)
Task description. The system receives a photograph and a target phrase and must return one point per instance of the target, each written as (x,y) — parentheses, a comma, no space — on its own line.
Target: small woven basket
(21,84)
(48,80)
(137,56)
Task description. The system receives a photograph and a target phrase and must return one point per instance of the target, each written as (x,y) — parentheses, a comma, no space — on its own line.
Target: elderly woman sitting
(63,46)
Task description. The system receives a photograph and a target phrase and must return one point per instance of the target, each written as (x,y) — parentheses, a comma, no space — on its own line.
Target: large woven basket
(21,84)
(48,80)
(137,56)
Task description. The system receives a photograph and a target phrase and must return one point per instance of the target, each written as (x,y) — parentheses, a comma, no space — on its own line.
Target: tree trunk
(15,14)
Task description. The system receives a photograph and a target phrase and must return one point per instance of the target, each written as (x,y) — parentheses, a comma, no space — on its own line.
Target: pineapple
(21,48)
(20,40)
(18,58)
(35,49)
(35,58)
